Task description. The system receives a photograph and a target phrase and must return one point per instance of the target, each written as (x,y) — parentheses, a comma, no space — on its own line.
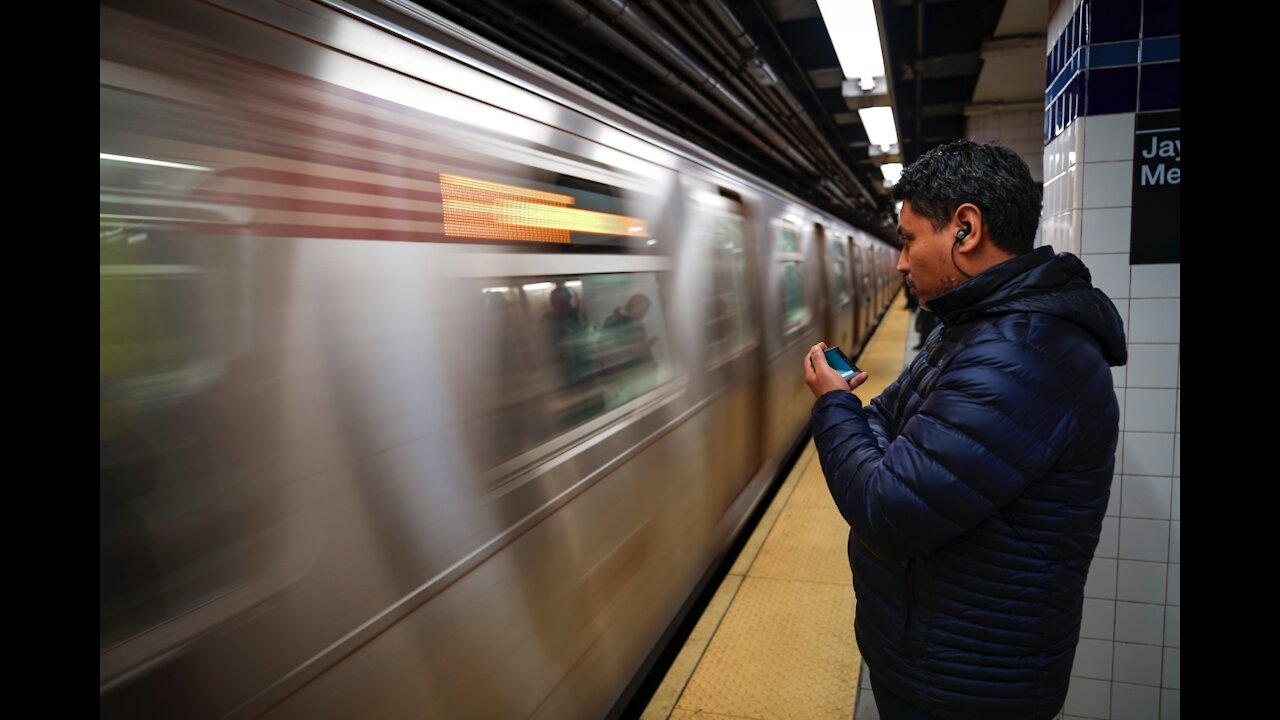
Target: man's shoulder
(1017,342)
(1042,332)
(1028,350)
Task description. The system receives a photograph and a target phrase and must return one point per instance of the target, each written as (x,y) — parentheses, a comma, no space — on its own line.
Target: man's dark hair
(991,177)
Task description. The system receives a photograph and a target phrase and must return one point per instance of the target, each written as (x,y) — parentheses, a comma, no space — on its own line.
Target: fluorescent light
(147,161)
(880,127)
(537,286)
(497,289)
(892,172)
(856,37)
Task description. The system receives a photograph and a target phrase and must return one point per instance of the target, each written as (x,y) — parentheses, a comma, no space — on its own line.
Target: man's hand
(822,378)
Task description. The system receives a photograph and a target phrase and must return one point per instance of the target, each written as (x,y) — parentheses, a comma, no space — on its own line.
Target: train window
(788,240)
(790,272)
(840,267)
(730,325)
(183,520)
(565,349)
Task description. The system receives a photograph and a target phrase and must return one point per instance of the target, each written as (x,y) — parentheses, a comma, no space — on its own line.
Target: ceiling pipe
(765,103)
(794,109)
(711,57)
(626,15)
(749,53)
(744,40)
(534,40)
(786,107)
(551,44)
(585,17)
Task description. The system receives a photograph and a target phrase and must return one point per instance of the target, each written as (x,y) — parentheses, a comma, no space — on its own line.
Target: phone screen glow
(836,359)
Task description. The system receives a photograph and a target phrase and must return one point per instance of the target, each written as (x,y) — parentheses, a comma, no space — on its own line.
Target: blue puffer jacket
(975,487)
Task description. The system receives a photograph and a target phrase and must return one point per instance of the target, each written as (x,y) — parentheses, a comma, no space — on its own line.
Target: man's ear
(969,227)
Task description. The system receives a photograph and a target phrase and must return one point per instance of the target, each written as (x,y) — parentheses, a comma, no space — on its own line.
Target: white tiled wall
(1101,582)
(1110,273)
(1149,410)
(1154,365)
(1099,620)
(1063,219)
(1137,664)
(1109,541)
(1172,626)
(1135,580)
(1148,453)
(1093,659)
(1106,230)
(1139,623)
(1134,701)
(1170,705)
(1107,185)
(1156,281)
(1088,698)
(1154,321)
(1111,137)
(1145,497)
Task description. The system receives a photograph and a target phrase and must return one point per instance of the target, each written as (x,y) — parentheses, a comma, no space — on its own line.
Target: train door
(790,272)
(843,296)
(861,290)
(837,298)
(826,285)
(882,278)
(728,338)
(878,271)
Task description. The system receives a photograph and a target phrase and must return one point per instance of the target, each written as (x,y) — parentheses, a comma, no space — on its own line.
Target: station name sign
(1155,231)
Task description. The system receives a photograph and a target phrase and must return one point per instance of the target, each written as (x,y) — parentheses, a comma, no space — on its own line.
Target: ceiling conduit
(798,111)
(620,12)
(585,17)
(550,48)
(736,73)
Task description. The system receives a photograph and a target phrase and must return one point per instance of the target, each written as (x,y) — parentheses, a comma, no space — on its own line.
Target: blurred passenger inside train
(976,483)
(623,341)
(579,396)
(566,333)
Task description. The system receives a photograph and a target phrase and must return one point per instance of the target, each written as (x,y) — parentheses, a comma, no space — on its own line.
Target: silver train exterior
(379,436)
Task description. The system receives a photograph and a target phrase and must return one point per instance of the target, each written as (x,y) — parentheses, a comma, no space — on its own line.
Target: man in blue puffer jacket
(975,485)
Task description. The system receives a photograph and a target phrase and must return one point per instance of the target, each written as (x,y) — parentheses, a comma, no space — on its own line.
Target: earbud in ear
(962,233)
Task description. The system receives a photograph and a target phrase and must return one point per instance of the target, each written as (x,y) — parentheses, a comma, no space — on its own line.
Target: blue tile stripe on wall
(1123,53)
(1161,49)
(1093,66)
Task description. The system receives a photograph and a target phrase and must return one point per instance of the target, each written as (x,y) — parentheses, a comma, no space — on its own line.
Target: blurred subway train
(430,385)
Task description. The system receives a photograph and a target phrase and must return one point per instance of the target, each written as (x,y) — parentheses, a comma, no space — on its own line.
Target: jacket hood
(1040,281)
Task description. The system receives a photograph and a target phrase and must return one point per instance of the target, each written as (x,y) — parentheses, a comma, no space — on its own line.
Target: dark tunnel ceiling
(757,81)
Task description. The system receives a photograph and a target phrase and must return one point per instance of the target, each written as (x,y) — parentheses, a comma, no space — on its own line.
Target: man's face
(926,255)
(637,308)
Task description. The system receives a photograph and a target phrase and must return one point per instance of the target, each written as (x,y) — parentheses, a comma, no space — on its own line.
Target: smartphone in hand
(838,360)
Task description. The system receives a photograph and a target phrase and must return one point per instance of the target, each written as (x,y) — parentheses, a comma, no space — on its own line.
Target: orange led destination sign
(483,209)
